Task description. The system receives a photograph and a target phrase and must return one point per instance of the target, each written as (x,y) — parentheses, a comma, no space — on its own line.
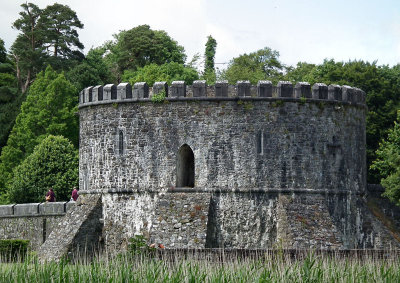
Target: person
(50,196)
(75,194)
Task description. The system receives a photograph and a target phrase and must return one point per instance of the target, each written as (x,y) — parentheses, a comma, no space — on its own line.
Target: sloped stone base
(79,233)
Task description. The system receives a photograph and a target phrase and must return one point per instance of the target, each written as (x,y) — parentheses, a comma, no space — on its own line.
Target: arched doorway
(185,167)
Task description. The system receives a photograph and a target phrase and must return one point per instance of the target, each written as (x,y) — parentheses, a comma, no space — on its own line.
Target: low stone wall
(31,221)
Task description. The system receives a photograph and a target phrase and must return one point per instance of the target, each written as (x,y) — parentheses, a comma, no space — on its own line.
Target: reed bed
(140,268)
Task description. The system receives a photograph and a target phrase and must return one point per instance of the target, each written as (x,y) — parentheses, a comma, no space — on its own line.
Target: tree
(168,72)
(209,54)
(388,162)
(141,46)
(46,36)
(26,50)
(59,25)
(10,99)
(49,109)
(93,70)
(260,65)
(53,163)
(299,73)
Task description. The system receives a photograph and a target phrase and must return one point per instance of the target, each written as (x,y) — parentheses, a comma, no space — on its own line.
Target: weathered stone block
(110,92)
(221,89)
(160,86)
(140,90)
(363,97)
(200,88)
(320,91)
(264,89)
(178,89)
(284,89)
(88,94)
(97,93)
(52,208)
(7,210)
(359,95)
(302,89)
(124,91)
(26,209)
(243,88)
(347,93)
(82,96)
(69,205)
(334,92)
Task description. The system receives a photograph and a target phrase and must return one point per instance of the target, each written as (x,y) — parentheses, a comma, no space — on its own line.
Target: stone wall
(32,221)
(237,145)
(176,220)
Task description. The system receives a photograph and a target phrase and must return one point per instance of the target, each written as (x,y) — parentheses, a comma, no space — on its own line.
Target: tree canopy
(47,36)
(10,99)
(209,64)
(93,70)
(49,108)
(60,38)
(263,64)
(140,46)
(168,72)
(387,162)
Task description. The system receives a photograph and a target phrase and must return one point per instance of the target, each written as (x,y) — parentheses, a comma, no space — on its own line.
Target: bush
(53,163)
(13,250)
(138,246)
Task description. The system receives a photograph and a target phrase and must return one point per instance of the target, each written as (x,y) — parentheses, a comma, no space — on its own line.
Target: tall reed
(140,268)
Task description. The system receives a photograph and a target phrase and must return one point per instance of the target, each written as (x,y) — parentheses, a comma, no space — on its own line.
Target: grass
(312,268)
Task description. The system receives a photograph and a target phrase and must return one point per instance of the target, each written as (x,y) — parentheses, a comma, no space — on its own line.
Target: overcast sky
(301,30)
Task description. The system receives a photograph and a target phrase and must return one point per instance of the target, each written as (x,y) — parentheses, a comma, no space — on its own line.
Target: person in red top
(50,196)
(75,194)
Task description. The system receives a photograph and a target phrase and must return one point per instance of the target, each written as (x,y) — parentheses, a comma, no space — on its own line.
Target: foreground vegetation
(268,269)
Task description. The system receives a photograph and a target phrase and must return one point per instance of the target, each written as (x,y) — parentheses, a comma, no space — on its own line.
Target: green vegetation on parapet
(159,97)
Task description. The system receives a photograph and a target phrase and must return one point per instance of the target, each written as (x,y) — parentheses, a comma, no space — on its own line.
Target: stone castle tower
(228,166)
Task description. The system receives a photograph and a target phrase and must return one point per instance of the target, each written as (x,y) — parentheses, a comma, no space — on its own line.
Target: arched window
(185,167)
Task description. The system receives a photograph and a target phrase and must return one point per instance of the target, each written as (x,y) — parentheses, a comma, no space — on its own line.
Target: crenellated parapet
(264,90)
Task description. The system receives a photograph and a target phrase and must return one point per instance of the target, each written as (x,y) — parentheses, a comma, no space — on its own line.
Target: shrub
(138,246)
(159,97)
(53,163)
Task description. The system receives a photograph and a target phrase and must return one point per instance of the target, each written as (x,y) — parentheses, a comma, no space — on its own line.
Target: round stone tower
(226,166)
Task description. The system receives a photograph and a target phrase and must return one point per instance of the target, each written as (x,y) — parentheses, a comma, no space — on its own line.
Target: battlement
(264,90)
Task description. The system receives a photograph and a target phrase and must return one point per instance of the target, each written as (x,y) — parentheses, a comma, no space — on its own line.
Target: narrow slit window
(121,142)
(259,142)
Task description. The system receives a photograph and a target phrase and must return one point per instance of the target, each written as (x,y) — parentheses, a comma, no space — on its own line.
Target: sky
(300,30)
